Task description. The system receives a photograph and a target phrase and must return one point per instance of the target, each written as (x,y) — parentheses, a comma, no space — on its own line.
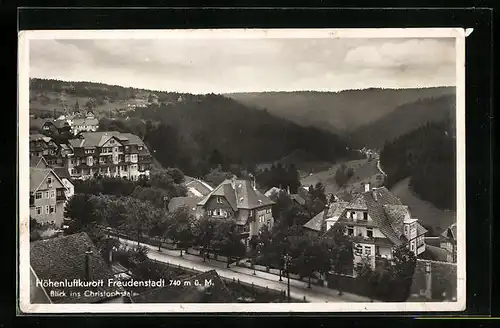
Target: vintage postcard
(287,170)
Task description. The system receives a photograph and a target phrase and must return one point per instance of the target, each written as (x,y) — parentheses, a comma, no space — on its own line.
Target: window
(368,250)
(365,216)
(353,214)
(47,195)
(406,229)
(251,213)
(350,230)
(412,246)
(38,210)
(209,213)
(133,157)
(219,200)
(52,209)
(49,181)
(47,208)
(116,149)
(52,194)
(377,250)
(369,232)
(38,195)
(140,147)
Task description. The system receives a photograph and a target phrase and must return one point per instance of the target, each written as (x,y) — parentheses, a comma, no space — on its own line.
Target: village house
(84,124)
(70,258)
(376,220)
(110,153)
(448,242)
(41,145)
(47,196)
(240,201)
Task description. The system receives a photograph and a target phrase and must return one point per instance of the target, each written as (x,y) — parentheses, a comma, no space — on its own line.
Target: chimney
(288,190)
(87,264)
(233,182)
(367,187)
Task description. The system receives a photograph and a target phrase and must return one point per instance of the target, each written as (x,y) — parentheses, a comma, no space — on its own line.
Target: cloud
(415,52)
(239,65)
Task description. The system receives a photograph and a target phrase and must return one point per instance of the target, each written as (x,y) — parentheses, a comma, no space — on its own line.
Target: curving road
(298,289)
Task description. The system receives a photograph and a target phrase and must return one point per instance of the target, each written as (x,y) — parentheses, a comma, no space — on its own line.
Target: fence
(164,243)
(269,269)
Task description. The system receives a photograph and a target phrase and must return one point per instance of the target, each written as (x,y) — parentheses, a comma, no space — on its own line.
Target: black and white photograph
(242,170)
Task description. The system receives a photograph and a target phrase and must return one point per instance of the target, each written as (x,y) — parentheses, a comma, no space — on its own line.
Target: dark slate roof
(189,202)
(39,136)
(217,293)
(62,172)
(298,199)
(242,196)
(63,258)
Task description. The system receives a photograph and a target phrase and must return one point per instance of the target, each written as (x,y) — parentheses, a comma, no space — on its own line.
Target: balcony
(61,197)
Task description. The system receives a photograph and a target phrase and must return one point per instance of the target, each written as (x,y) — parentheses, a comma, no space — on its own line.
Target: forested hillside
(404,119)
(198,135)
(342,111)
(427,156)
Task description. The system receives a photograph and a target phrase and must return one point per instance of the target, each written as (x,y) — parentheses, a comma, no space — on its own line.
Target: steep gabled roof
(85,121)
(63,258)
(450,232)
(198,188)
(38,162)
(216,293)
(242,196)
(316,222)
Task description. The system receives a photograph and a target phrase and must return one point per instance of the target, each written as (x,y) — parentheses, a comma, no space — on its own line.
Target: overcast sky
(245,65)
